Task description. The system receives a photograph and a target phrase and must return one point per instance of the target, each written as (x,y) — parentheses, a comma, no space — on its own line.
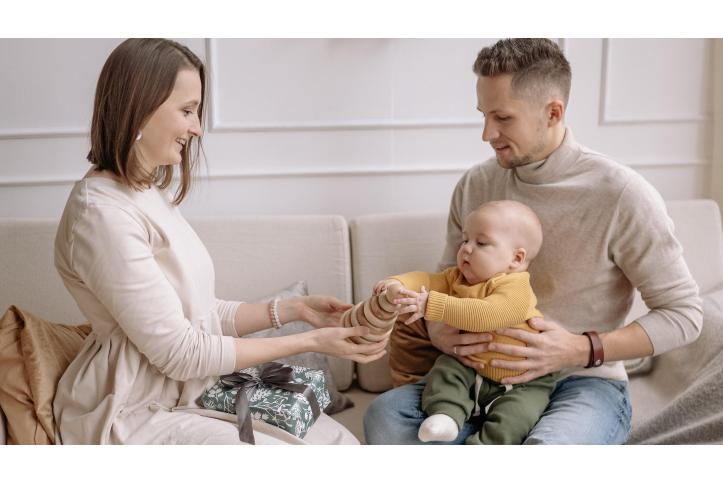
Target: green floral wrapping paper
(287,410)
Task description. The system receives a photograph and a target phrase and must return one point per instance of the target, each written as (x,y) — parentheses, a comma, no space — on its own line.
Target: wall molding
(266,173)
(44,133)
(352,125)
(216,125)
(607,119)
(441,168)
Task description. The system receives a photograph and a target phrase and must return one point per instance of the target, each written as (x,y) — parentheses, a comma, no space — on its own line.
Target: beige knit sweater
(605,231)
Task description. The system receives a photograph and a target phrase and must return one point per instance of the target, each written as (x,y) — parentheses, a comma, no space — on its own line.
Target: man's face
(515,127)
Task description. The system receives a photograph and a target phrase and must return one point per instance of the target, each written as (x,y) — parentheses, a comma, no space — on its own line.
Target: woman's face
(170,128)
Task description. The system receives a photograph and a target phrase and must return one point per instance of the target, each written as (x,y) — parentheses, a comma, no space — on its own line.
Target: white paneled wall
(353,126)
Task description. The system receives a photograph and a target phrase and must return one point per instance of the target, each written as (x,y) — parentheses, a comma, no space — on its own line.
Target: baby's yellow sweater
(504,301)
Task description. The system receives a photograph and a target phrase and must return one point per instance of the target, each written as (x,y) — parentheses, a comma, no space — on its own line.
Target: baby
(487,290)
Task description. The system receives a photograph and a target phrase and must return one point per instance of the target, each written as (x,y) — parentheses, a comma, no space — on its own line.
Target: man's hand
(548,351)
(450,341)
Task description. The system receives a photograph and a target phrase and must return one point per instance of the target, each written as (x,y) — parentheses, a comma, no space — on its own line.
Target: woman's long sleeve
(112,254)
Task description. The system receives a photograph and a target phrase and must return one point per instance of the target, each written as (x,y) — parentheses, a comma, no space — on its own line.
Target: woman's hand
(548,351)
(336,342)
(319,311)
(415,304)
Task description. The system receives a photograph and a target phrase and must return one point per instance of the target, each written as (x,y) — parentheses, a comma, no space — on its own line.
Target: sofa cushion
(34,354)
(339,401)
(255,255)
(387,244)
(26,269)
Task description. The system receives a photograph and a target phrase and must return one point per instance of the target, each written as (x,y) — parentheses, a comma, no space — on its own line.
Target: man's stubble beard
(535,154)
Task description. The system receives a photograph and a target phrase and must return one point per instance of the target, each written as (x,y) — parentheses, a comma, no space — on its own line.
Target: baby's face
(486,248)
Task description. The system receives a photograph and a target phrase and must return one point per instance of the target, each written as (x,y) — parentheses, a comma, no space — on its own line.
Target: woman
(145,281)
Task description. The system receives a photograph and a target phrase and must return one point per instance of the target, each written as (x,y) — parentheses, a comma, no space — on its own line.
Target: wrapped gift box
(287,410)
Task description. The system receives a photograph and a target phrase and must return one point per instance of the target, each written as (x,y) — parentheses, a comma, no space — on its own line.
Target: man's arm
(554,348)
(646,250)
(644,247)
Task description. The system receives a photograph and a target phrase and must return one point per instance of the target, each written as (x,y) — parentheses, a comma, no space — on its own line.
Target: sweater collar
(554,167)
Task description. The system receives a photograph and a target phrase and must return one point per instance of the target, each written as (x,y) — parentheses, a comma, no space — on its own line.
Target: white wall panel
(352,126)
(47,86)
(655,141)
(432,79)
(298,82)
(290,151)
(656,80)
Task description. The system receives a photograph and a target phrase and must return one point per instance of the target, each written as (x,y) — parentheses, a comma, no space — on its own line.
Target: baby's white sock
(438,428)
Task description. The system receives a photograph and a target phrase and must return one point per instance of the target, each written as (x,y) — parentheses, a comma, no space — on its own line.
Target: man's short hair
(536,65)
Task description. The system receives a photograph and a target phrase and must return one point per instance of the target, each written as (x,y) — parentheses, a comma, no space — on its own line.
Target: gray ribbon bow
(271,374)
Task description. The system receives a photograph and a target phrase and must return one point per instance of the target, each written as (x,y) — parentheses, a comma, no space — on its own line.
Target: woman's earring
(139,136)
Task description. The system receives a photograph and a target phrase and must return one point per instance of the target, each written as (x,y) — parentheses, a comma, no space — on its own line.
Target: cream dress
(145,281)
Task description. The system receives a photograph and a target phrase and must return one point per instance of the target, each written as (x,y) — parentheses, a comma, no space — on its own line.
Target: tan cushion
(34,354)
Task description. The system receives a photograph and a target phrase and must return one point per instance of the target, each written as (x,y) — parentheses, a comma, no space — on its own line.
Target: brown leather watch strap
(597,355)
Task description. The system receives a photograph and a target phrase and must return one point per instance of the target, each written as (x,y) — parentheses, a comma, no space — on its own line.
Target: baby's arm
(406,284)
(509,304)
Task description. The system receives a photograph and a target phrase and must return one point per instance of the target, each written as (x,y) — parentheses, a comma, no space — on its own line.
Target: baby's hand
(416,304)
(384,285)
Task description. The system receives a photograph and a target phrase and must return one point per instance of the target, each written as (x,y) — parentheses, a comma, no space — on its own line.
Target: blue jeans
(582,410)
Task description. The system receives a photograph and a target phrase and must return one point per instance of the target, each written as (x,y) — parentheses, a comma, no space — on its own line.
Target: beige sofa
(256,256)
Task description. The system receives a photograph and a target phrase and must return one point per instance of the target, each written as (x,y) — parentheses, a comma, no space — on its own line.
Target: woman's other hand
(318,311)
(336,342)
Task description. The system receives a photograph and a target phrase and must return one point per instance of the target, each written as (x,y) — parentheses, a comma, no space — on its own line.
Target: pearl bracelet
(274,312)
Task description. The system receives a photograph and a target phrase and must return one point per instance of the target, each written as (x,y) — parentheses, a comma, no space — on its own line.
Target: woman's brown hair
(137,78)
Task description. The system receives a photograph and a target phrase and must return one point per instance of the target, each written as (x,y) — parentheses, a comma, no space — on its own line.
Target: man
(606,232)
